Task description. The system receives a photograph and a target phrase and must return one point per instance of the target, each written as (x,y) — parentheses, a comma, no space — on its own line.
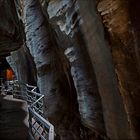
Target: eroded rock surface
(84,56)
(10,38)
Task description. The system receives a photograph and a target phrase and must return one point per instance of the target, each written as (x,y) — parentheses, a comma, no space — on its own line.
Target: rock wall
(84,56)
(110,32)
(121,37)
(23,66)
(64,16)
(10,38)
(52,79)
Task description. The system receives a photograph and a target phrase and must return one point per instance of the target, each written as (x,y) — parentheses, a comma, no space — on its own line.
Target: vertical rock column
(40,42)
(88,98)
(115,116)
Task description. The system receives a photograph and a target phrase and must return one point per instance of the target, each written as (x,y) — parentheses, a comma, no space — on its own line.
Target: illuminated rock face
(67,17)
(23,66)
(84,57)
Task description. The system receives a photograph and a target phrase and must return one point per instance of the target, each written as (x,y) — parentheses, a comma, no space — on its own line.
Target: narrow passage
(13,118)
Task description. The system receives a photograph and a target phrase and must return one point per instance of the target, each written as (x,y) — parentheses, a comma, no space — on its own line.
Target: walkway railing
(39,128)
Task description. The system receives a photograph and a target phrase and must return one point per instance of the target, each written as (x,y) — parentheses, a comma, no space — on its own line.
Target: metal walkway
(39,128)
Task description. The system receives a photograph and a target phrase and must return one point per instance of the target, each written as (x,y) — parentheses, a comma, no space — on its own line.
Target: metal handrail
(35,117)
(41,120)
(39,128)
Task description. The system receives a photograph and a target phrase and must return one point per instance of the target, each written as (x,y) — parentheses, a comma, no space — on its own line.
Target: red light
(9,74)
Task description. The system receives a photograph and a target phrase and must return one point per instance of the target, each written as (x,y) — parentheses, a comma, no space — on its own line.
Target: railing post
(51,133)
(30,122)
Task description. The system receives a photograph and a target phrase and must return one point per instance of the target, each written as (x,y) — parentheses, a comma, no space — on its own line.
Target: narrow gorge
(83,56)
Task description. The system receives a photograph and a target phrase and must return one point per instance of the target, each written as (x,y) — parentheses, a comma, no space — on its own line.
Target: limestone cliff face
(41,41)
(65,17)
(123,44)
(24,68)
(109,26)
(84,56)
